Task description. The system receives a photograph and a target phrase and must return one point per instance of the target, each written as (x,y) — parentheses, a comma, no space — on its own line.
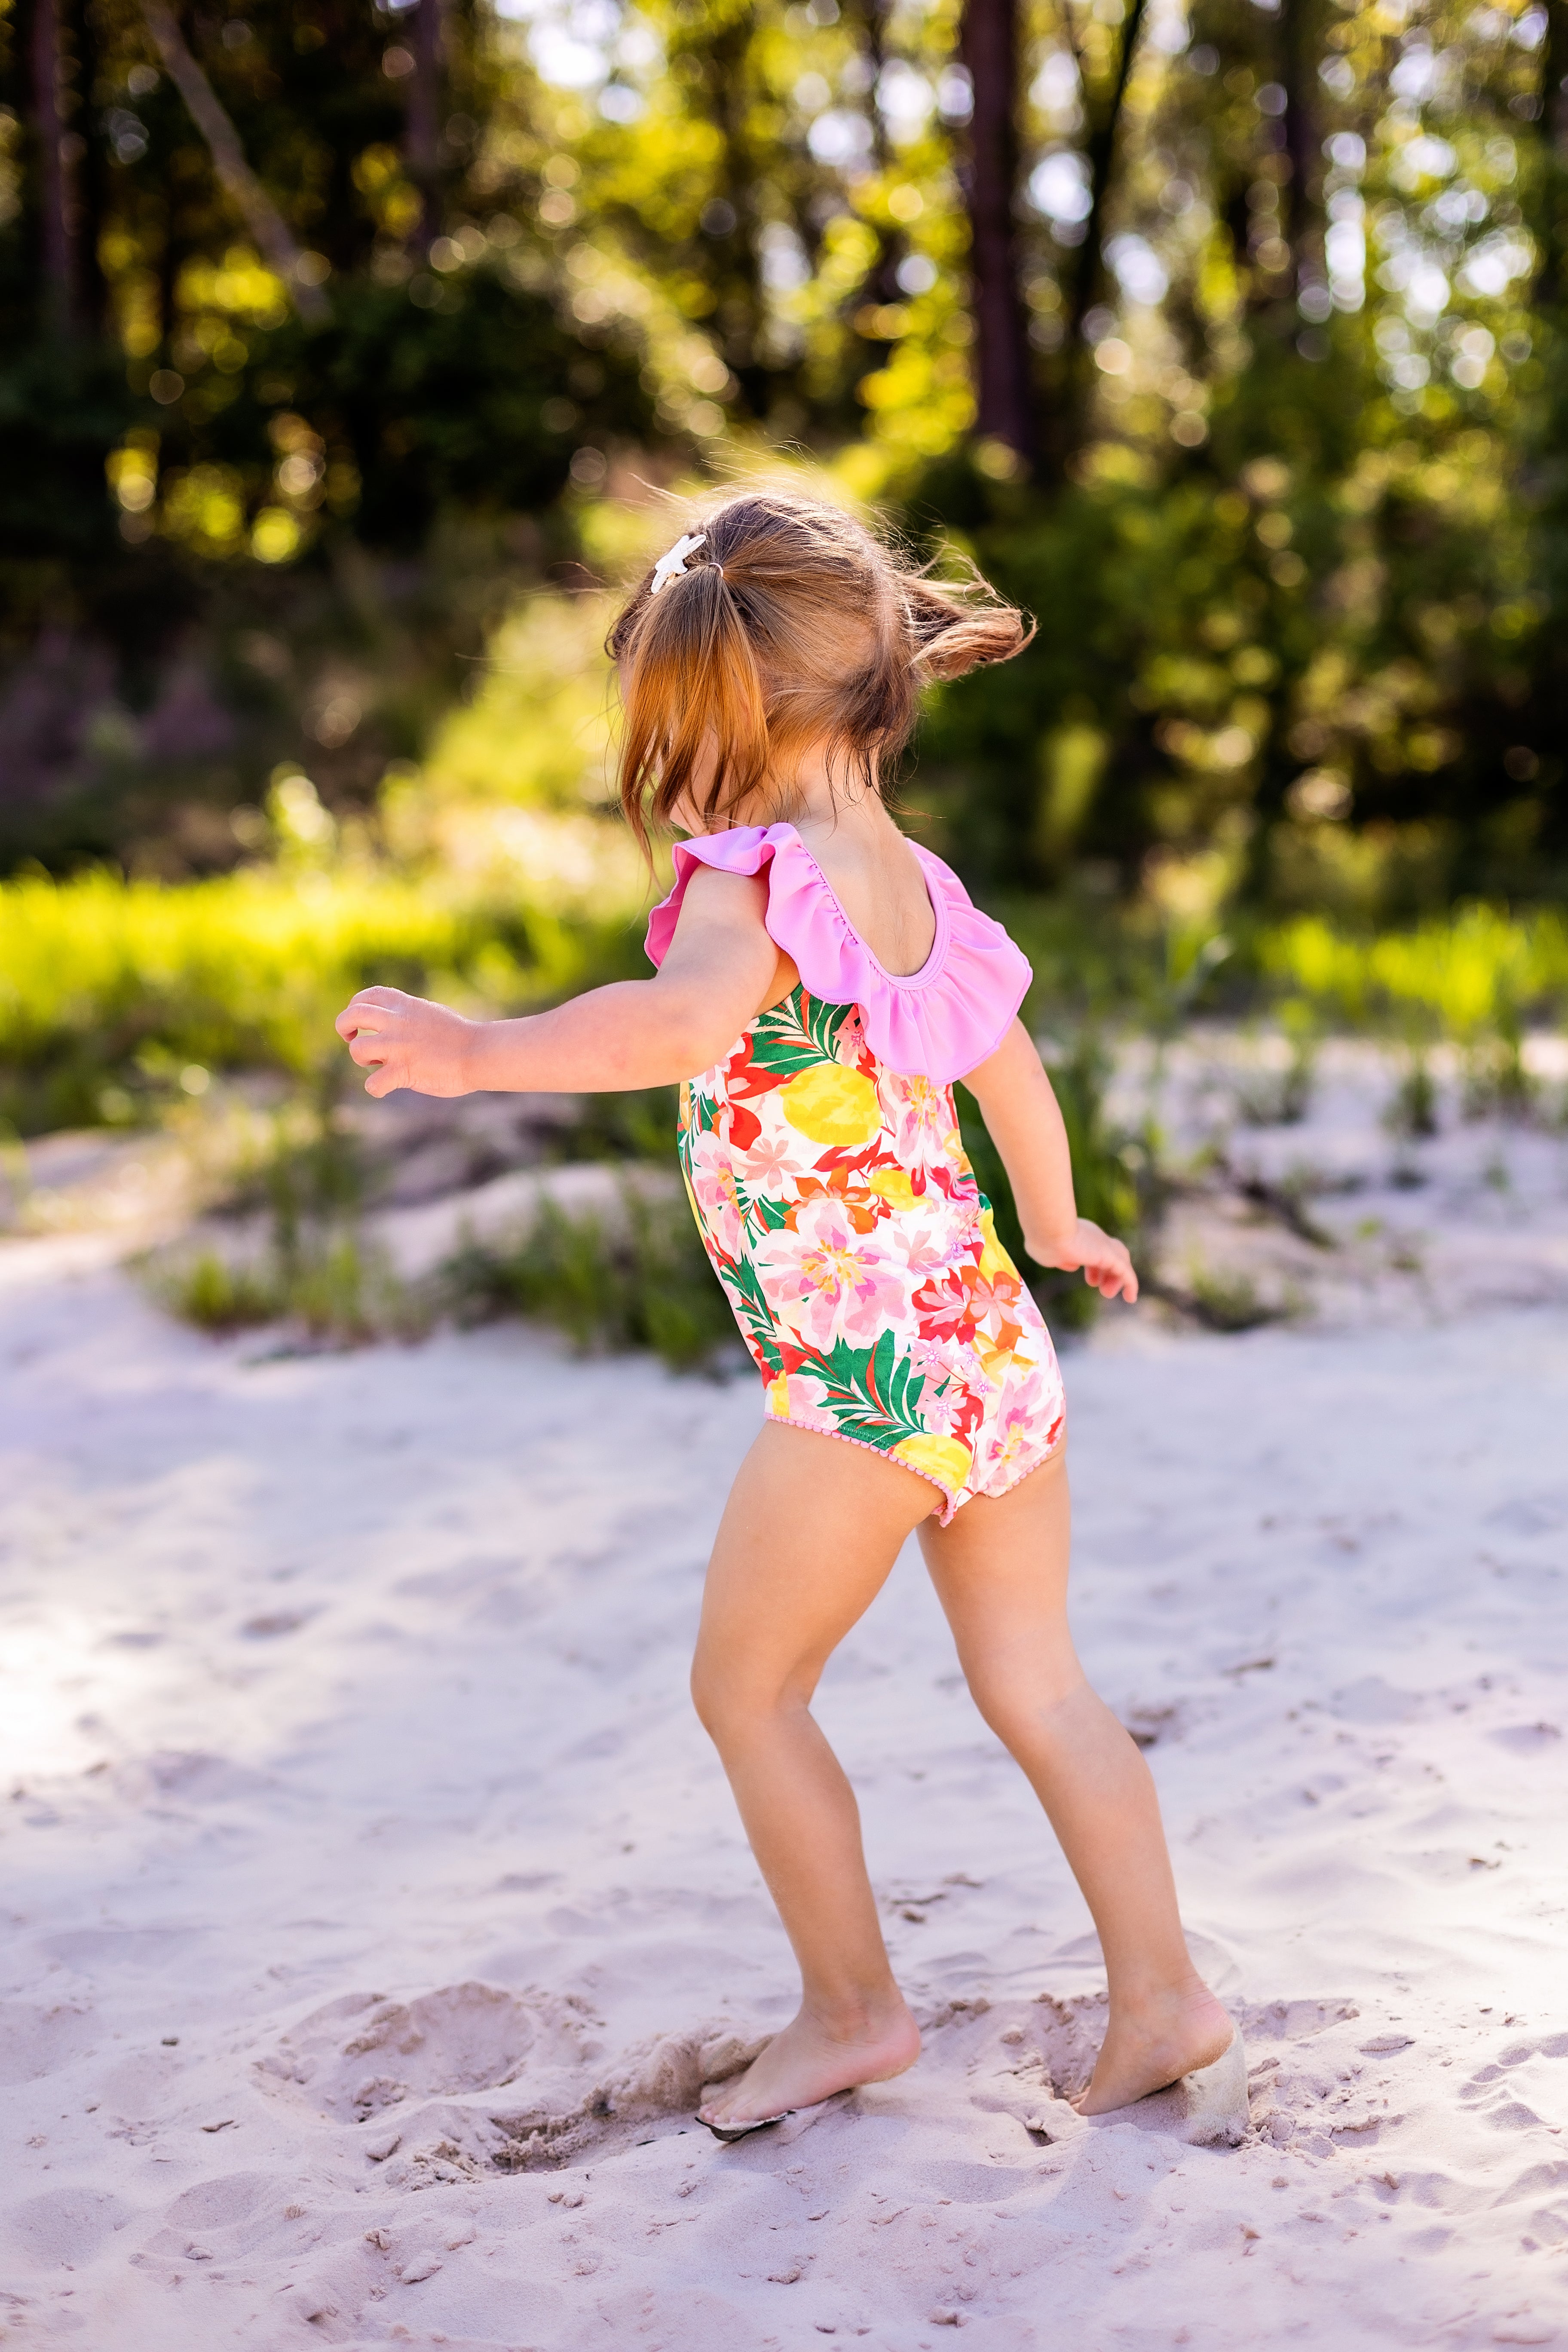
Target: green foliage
(1198,719)
(1474,976)
(328,1288)
(1412,1112)
(1293,288)
(638,1124)
(63,407)
(640,1281)
(312,1268)
(217,1295)
(391,416)
(112,985)
(1222,1300)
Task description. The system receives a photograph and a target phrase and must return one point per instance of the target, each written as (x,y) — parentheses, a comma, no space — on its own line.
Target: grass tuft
(641,1281)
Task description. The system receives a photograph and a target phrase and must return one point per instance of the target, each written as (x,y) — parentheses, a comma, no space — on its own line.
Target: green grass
(115,993)
(640,1281)
(1470,976)
(328,1289)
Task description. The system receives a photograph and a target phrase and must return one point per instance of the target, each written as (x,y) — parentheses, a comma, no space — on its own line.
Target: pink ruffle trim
(938,1022)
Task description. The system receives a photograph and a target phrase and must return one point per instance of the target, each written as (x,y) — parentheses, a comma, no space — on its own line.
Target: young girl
(821,982)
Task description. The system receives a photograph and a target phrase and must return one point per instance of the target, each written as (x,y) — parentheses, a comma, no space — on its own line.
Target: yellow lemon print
(993,1258)
(941,1458)
(894,1187)
(831,1105)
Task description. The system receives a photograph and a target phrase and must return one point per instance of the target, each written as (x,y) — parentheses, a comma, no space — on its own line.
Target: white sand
(352,1776)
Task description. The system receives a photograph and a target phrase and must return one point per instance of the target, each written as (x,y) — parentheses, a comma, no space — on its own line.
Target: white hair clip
(673,566)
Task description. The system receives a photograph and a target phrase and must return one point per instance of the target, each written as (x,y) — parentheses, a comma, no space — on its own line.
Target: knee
(722,1703)
(734,1707)
(708,1696)
(1023,1711)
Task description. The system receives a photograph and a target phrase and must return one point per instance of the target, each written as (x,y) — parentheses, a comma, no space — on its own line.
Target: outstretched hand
(406,1041)
(1107,1262)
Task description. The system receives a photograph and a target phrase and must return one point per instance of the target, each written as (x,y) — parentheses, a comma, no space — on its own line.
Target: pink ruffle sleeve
(938,1022)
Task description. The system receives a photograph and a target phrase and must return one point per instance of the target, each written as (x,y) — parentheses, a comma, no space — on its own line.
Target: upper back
(937,1004)
(879,882)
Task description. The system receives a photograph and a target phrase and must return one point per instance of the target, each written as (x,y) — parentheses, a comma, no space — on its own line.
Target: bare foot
(807,2061)
(1146,2049)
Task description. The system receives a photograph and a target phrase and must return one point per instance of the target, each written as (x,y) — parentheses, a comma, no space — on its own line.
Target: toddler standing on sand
(821,982)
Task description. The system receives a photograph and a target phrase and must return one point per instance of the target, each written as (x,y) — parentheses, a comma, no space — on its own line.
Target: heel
(1217,2112)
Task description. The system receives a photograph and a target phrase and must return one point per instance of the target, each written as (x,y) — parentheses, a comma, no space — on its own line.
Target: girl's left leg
(1000,1568)
(809,1534)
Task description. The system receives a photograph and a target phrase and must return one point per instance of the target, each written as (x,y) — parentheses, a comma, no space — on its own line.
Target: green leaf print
(752,1312)
(800,1032)
(767,1213)
(824,1022)
(873,1393)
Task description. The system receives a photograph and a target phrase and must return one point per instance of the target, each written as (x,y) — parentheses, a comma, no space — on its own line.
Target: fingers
(1112,1276)
(352,1019)
(371,1026)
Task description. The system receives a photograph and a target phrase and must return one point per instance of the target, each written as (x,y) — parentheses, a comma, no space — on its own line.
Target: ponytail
(787,624)
(690,683)
(955,630)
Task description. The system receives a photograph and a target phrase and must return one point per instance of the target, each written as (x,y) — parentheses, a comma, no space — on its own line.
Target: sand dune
(375,1906)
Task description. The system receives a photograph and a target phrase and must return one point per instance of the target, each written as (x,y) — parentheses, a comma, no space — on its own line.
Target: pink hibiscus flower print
(926,1246)
(921,1116)
(795,1396)
(997,1297)
(830,1282)
(772,1167)
(713,1184)
(1024,1425)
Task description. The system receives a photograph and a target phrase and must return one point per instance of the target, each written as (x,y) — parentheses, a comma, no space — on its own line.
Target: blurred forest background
(349,347)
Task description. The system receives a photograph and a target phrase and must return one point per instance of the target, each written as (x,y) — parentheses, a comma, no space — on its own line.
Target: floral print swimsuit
(834,1197)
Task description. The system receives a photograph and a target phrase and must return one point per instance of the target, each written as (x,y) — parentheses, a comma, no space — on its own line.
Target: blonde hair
(792,624)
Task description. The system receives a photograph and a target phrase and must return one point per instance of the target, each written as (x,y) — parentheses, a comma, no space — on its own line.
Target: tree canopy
(1228,336)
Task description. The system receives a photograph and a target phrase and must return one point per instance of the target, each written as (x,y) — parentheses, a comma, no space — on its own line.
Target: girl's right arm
(719,971)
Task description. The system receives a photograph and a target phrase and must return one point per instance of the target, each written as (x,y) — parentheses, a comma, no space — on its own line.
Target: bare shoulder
(720,945)
(716,901)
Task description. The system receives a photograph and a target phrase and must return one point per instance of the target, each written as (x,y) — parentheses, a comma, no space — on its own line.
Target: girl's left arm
(1020,1106)
(634,1032)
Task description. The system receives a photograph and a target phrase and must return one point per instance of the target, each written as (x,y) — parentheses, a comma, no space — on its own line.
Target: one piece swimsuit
(826,1175)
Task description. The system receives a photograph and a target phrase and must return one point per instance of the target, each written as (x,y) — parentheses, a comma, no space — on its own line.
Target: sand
(374,1904)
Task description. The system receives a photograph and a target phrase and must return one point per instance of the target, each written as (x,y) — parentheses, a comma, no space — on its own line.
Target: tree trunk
(728,83)
(1551,226)
(1302,228)
(92,290)
(56,255)
(261,215)
(1102,157)
(988,44)
(423,139)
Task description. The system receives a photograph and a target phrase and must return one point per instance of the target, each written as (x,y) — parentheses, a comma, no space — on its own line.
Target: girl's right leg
(809,1534)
